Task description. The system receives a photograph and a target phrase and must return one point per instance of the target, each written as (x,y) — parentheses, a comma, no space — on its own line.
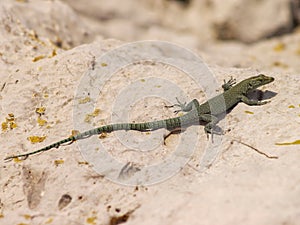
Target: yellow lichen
(4,126)
(12,125)
(40,110)
(89,117)
(103,135)
(91,220)
(74,132)
(84,100)
(9,122)
(27,216)
(17,160)
(297,142)
(37,58)
(279,47)
(249,112)
(59,161)
(41,121)
(36,139)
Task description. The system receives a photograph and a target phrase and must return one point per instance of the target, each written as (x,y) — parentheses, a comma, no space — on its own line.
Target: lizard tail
(54,145)
(147,126)
(169,124)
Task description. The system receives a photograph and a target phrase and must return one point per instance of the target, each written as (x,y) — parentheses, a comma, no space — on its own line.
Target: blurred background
(192,23)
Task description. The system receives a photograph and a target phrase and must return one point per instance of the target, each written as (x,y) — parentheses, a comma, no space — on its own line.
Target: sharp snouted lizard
(207,113)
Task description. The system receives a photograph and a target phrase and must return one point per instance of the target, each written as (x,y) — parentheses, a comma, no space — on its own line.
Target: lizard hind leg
(211,126)
(174,131)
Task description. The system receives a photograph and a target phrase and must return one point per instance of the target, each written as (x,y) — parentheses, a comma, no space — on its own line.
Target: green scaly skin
(207,113)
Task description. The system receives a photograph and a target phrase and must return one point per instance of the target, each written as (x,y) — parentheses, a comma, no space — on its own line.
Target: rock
(50,19)
(249,21)
(295,7)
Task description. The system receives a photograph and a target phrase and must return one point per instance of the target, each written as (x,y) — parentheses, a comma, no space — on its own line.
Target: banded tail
(169,124)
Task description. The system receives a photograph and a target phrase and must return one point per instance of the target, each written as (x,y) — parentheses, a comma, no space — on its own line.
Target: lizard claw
(228,84)
(213,130)
(177,111)
(179,104)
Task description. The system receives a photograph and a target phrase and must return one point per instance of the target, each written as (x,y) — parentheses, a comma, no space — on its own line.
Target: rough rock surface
(38,82)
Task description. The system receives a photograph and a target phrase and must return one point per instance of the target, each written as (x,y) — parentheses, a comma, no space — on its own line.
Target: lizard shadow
(261,95)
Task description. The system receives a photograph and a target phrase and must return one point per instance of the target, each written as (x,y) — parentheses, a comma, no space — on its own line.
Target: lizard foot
(228,84)
(213,130)
(175,131)
(179,104)
(216,130)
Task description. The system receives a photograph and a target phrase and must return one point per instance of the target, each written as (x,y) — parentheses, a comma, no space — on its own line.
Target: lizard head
(257,81)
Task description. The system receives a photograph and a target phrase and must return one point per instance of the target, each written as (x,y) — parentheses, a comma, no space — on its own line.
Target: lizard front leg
(228,84)
(194,104)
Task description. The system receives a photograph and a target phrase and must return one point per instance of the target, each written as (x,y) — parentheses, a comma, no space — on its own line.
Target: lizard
(209,113)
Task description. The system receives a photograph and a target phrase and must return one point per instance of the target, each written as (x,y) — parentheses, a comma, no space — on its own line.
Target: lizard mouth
(271,79)
(267,81)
